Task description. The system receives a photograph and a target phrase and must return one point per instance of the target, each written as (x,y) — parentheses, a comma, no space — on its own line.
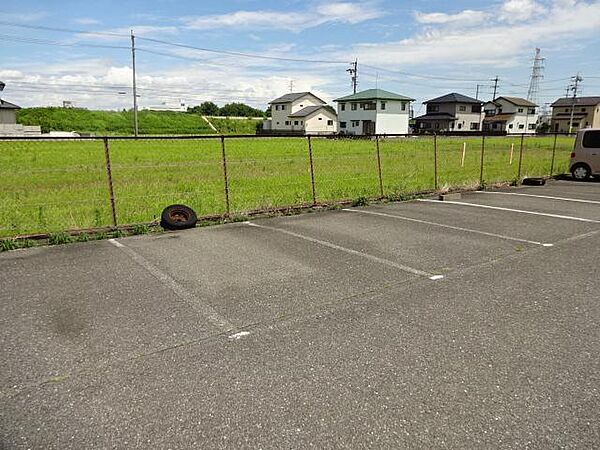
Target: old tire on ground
(178,217)
(534,181)
(581,172)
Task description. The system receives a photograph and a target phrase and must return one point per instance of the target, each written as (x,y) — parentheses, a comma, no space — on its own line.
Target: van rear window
(591,139)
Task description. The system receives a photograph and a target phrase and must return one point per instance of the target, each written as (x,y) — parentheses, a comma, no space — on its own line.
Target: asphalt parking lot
(426,324)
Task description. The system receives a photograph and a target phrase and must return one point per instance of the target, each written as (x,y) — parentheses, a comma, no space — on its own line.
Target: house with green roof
(374,111)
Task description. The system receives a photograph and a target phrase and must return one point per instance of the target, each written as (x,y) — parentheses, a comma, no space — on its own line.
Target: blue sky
(419,48)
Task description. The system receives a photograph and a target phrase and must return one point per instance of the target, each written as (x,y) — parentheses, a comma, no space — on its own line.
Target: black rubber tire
(534,182)
(178,217)
(577,174)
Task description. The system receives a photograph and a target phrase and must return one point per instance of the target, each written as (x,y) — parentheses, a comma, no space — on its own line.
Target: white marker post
(512,150)
(464,152)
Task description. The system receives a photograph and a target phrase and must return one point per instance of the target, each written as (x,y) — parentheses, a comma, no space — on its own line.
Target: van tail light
(572,154)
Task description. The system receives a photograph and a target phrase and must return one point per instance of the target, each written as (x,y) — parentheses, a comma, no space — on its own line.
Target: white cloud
(497,44)
(520,10)
(466,17)
(86,21)
(338,12)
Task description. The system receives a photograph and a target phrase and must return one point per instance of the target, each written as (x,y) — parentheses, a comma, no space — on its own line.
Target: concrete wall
(19,130)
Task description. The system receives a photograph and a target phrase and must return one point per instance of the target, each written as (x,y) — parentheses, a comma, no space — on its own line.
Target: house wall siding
(8,116)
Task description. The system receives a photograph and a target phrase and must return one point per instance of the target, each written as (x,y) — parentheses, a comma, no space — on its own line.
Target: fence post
(111,190)
(379,166)
(435,163)
(225,178)
(312,172)
(553,155)
(481,168)
(520,158)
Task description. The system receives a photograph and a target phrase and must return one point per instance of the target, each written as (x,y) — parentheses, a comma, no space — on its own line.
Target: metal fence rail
(57,184)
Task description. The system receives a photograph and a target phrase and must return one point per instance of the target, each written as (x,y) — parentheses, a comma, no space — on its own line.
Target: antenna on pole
(353,71)
(574,87)
(135,105)
(536,76)
(291,85)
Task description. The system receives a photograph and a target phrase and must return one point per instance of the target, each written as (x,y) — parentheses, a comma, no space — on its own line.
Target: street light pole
(135,106)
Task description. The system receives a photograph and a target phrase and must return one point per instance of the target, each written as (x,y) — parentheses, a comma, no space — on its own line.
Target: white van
(585,159)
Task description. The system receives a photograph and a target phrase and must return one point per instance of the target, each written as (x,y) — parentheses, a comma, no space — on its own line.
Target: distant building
(511,115)
(374,111)
(450,112)
(166,106)
(586,113)
(8,112)
(302,113)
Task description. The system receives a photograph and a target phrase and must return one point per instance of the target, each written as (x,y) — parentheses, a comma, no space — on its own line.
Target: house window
(342,107)
(566,109)
(430,108)
(368,106)
(295,122)
(277,123)
(320,118)
(403,107)
(474,125)
(342,124)
(476,108)
(521,126)
(499,110)
(510,127)
(301,106)
(531,111)
(282,107)
(355,123)
(532,126)
(436,125)
(354,106)
(287,122)
(276,107)
(520,110)
(383,106)
(459,126)
(302,122)
(582,109)
(462,108)
(330,123)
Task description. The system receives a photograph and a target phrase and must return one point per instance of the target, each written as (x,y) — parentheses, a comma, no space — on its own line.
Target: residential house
(373,111)
(511,115)
(450,112)
(8,120)
(585,110)
(302,113)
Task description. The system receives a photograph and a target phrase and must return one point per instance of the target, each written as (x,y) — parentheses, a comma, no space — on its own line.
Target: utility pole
(135,105)
(574,87)
(353,71)
(292,85)
(495,80)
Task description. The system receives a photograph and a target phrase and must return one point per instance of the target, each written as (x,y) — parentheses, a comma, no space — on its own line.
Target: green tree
(240,110)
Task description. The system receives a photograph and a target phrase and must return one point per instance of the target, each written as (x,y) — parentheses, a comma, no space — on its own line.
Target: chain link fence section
(52,185)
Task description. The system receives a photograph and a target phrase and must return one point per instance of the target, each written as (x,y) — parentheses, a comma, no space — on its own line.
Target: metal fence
(50,185)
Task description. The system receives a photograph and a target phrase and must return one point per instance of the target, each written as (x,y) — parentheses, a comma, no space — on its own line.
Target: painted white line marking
(239,335)
(566,199)
(208,312)
(468,230)
(521,211)
(116,243)
(350,251)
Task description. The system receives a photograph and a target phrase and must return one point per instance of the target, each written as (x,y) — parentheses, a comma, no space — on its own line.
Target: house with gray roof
(511,115)
(450,112)
(300,113)
(584,110)
(8,112)
(374,111)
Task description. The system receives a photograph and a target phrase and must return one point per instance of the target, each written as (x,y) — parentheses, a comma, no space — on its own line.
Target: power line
(33,40)
(62,30)
(427,77)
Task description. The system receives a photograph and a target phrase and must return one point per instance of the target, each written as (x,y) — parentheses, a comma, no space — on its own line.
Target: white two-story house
(513,115)
(301,113)
(449,113)
(373,111)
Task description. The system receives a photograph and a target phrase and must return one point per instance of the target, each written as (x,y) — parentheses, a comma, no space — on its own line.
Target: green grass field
(48,186)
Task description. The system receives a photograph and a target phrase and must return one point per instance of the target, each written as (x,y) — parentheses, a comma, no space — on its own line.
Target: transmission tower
(537,74)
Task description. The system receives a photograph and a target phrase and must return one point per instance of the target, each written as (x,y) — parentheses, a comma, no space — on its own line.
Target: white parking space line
(376,259)
(451,227)
(521,211)
(206,311)
(566,199)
